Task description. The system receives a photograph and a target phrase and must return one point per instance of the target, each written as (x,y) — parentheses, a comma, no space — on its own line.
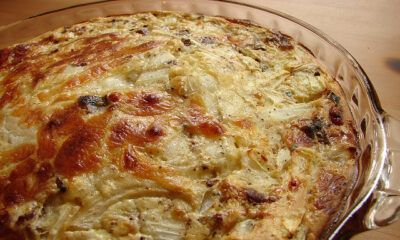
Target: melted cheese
(170,126)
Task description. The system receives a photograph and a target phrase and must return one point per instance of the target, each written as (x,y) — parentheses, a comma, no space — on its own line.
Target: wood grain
(369,30)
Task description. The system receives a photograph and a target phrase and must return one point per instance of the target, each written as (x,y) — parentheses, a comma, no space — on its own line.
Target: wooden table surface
(369,30)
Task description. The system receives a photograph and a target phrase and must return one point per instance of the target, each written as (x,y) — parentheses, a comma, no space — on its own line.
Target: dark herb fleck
(61,185)
(210,183)
(315,130)
(256,197)
(186,42)
(143,31)
(332,96)
(264,68)
(97,101)
(309,131)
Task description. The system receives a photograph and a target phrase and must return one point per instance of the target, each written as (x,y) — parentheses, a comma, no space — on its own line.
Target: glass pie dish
(375,198)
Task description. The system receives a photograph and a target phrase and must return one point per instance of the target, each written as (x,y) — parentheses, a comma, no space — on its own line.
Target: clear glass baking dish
(375,198)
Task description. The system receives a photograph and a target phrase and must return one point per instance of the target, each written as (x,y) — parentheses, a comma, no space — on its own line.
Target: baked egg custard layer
(167,125)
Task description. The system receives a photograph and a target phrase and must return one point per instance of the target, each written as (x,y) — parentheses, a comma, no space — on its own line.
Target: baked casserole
(168,125)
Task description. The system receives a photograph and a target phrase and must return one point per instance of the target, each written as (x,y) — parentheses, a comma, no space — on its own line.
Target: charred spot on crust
(155,131)
(280,40)
(336,116)
(85,101)
(186,42)
(60,185)
(332,96)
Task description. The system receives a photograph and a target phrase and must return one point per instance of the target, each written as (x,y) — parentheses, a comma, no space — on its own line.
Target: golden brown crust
(168,125)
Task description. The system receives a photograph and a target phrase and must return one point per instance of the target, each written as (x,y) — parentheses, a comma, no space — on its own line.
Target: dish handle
(383,207)
(385,204)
